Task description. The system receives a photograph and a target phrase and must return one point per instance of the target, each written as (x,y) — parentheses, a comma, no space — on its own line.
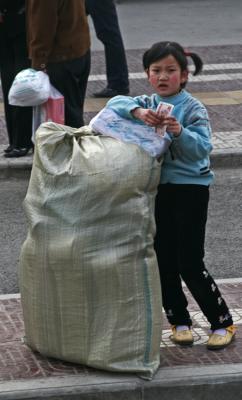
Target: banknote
(163,109)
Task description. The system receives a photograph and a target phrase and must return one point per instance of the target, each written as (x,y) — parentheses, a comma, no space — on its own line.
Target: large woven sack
(89,279)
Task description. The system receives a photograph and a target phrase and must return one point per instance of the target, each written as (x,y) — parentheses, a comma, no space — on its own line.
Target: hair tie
(187,53)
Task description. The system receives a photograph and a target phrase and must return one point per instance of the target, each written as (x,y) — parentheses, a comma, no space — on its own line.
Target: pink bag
(53,110)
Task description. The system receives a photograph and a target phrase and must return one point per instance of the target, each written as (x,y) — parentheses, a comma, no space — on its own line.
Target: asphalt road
(224,228)
(192,22)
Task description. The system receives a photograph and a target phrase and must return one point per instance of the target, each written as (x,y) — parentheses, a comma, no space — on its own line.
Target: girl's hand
(148,116)
(173,126)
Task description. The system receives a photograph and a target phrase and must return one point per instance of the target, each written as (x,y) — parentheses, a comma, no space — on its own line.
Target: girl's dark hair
(163,49)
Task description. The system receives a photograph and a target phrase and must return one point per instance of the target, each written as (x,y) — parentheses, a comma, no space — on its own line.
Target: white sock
(221,331)
(182,327)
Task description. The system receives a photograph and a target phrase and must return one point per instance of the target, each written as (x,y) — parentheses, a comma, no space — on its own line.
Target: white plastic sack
(29,88)
(89,278)
(53,110)
(109,122)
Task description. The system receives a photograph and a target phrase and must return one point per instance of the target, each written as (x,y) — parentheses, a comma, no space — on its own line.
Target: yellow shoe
(183,338)
(216,342)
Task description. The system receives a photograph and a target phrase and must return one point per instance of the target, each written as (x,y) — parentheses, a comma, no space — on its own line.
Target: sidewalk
(183,371)
(217,87)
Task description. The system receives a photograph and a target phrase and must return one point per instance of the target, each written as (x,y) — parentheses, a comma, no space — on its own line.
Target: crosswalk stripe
(200,78)
(211,67)
(206,67)
(216,77)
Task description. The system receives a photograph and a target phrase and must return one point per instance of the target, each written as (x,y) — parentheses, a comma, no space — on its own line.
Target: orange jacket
(57,30)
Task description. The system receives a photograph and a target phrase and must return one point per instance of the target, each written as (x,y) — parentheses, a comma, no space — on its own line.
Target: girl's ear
(184,76)
(147,72)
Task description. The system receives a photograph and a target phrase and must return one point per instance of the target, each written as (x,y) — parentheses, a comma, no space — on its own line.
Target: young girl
(183,193)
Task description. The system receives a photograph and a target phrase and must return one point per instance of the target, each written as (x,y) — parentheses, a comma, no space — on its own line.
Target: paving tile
(214,101)
(235,94)
(17,361)
(211,98)
(94,105)
(215,95)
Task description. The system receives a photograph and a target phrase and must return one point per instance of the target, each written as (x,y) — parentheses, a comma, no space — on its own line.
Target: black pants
(70,78)
(181,215)
(14,58)
(105,20)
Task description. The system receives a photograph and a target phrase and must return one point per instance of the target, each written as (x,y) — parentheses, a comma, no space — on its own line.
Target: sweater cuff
(173,137)
(131,108)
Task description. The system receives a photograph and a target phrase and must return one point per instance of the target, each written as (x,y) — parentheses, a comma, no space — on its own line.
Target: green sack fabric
(89,278)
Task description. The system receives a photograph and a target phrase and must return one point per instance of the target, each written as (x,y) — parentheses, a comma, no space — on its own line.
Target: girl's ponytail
(196,60)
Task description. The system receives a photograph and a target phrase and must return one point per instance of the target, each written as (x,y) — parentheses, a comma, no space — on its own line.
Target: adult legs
(14,58)
(179,245)
(105,20)
(7,77)
(70,78)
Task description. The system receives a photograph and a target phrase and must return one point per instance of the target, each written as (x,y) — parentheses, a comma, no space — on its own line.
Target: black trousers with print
(181,215)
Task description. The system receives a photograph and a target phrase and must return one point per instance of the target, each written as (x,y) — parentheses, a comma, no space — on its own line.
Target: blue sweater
(187,161)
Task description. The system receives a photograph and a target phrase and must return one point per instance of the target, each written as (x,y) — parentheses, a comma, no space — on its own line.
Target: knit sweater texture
(187,160)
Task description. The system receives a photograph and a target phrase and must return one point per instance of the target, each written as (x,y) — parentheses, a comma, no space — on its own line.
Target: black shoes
(108,92)
(11,152)
(8,149)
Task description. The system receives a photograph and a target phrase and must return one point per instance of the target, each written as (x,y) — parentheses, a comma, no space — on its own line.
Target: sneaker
(108,92)
(216,341)
(182,337)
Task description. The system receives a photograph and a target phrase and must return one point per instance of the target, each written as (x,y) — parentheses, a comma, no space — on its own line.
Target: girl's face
(166,77)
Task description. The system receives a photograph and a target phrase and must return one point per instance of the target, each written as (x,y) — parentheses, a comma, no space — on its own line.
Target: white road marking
(200,78)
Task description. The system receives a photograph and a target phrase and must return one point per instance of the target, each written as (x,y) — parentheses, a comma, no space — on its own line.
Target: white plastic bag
(53,110)
(29,88)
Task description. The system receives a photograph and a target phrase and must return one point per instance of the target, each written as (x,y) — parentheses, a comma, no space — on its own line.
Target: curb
(230,158)
(14,167)
(215,382)
(20,168)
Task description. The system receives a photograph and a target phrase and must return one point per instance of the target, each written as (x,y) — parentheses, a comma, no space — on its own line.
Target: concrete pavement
(193,373)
